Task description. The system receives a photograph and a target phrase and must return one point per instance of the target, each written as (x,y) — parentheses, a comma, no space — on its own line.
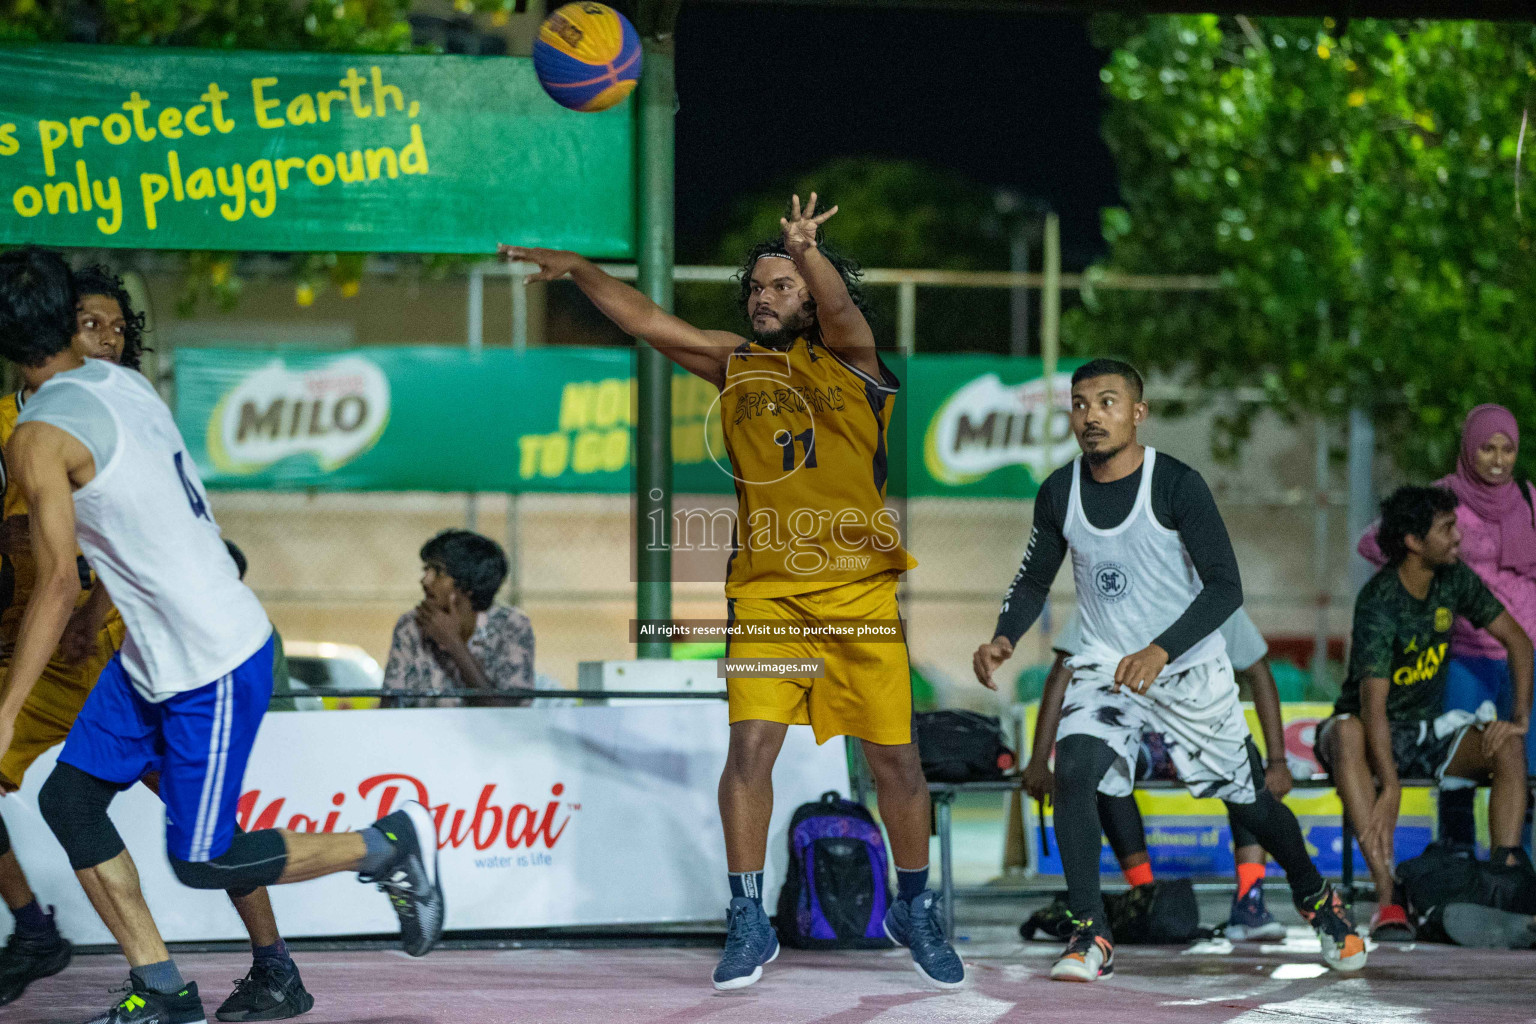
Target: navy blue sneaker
(750,943)
(1250,921)
(916,926)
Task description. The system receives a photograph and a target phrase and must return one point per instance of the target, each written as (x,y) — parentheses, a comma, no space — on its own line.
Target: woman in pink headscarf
(1497,518)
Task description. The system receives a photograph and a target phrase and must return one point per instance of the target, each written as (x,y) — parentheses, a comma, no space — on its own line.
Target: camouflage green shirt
(1402,639)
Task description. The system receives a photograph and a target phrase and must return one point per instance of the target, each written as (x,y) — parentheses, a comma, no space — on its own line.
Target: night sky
(1008,100)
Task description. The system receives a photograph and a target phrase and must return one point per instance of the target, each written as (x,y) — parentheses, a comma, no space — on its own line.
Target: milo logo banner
(561,420)
(132,147)
(430,418)
(986,426)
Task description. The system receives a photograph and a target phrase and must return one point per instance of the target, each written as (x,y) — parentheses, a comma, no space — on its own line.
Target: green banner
(184,149)
(984,426)
(560,420)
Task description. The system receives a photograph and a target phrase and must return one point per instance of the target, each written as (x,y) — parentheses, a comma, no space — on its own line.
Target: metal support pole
(514,549)
(1050,302)
(1320,560)
(519,312)
(943,825)
(906,317)
(475,342)
(657,98)
(1018,262)
(1362,496)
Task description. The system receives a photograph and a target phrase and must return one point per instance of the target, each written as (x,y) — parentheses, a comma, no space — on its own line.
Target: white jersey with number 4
(145,527)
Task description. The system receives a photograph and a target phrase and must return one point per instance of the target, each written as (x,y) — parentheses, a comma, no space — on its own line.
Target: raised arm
(843,327)
(702,353)
(40,457)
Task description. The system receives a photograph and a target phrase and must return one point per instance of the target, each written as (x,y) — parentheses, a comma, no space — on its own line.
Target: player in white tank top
(1152,659)
(145,526)
(97,452)
(1140,559)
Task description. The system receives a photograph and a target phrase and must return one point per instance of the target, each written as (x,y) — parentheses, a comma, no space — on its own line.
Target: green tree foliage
(353,26)
(1357,190)
(891,213)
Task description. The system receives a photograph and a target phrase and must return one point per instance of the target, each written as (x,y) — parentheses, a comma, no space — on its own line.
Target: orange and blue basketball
(587,56)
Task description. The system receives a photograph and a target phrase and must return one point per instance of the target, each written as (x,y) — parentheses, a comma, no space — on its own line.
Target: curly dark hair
(37,305)
(1411,512)
(847,268)
(99,280)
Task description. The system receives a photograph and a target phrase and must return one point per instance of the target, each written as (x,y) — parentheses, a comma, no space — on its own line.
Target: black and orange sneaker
(1089,956)
(1343,948)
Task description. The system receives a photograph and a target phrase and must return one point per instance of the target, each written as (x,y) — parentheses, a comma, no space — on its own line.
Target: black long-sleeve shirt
(1181,501)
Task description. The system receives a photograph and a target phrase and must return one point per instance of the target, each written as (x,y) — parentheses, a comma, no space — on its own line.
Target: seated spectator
(1497,519)
(1388,722)
(456,638)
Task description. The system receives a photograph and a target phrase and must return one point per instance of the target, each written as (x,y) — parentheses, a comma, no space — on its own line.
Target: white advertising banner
(547,817)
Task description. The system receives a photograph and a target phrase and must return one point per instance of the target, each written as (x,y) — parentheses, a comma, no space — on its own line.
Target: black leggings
(1081,762)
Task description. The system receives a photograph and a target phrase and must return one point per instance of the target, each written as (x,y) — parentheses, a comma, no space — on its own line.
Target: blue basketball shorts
(199,741)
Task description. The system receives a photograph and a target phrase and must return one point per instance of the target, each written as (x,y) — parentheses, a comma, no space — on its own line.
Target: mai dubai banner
(561,420)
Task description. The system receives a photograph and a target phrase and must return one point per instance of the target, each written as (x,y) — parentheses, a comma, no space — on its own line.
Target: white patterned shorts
(1195,711)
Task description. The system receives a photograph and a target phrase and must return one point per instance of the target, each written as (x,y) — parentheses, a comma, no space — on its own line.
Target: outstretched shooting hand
(553,263)
(800,226)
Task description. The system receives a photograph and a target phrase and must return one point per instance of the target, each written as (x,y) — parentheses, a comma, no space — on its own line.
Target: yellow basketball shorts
(867,689)
(51,709)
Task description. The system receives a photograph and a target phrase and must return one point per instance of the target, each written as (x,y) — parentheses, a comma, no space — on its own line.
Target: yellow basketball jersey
(806,435)
(18,572)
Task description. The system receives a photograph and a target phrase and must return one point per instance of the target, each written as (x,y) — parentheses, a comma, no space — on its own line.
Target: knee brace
(253,860)
(74,804)
(241,892)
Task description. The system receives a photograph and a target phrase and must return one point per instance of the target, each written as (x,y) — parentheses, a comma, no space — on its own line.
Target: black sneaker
(411,881)
(141,1006)
(271,991)
(28,958)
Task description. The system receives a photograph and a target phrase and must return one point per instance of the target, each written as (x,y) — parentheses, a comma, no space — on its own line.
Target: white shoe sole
(1074,971)
(750,979)
(1272,932)
(426,832)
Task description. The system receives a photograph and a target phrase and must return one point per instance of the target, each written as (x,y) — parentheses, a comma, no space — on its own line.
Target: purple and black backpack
(836,891)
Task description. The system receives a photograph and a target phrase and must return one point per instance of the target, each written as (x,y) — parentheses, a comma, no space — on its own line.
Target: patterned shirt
(502,643)
(1404,640)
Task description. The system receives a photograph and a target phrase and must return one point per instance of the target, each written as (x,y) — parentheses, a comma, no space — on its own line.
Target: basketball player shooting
(1156,578)
(97,455)
(805,404)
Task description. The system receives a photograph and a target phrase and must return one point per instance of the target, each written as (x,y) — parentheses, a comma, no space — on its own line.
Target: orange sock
(1248,875)
(1141,874)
